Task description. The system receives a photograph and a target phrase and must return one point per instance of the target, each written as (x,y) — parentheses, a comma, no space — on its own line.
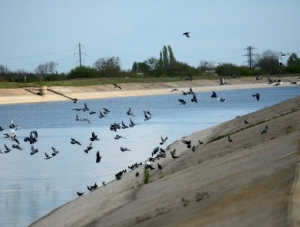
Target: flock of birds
(156,154)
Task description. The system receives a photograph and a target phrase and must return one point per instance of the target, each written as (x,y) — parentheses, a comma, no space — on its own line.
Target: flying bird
(55,152)
(80,193)
(88,148)
(129,112)
(265,130)
(187,34)
(124,149)
(132,124)
(33,150)
(163,140)
(94,137)
(117,86)
(214,95)
(47,156)
(222,80)
(73,141)
(175,89)
(257,96)
(182,101)
(118,137)
(283,54)
(188,143)
(98,157)
(222,100)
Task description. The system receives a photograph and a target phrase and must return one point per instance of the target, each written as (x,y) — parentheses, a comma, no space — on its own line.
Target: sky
(35,32)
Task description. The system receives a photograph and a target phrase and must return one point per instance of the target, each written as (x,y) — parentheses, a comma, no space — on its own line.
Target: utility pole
(250,56)
(79,54)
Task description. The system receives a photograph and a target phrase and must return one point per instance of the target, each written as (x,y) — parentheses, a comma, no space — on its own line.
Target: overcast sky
(34,32)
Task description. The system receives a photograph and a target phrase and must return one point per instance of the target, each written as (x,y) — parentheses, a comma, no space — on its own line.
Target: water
(31,187)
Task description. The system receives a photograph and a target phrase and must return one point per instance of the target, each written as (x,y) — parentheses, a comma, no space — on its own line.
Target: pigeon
(118,137)
(55,152)
(7,150)
(124,149)
(159,166)
(282,54)
(246,122)
(147,117)
(194,99)
(175,89)
(187,34)
(1,128)
(80,193)
(98,157)
(280,63)
(117,86)
(123,125)
(188,143)
(163,140)
(265,130)
(73,141)
(137,174)
(189,77)
(106,111)
(47,156)
(132,124)
(17,146)
(182,101)
(229,139)
(75,100)
(222,100)
(89,147)
(258,77)
(101,115)
(193,148)
(103,183)
(147,86)
(85,107)
(214,95)
(129,112)
(33,150)
(94,137)
(222,80)
(257,96)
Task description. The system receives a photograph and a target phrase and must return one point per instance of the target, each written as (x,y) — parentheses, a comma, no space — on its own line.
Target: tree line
(166,65)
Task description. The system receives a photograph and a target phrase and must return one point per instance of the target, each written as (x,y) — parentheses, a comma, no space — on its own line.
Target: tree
(293,60)
(226,69)
(82,72)
(205,66)
(109,67)
(3,70)
(268,61)
(46,68)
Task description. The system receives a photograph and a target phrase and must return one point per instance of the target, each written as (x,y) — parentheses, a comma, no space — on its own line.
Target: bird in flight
(187,34)
(265,130)
(98,157)
(117,86)
(214,94)
(163,140)
(257,96)
(283,54)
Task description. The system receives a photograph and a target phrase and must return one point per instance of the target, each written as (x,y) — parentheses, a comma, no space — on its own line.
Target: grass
(101,81)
